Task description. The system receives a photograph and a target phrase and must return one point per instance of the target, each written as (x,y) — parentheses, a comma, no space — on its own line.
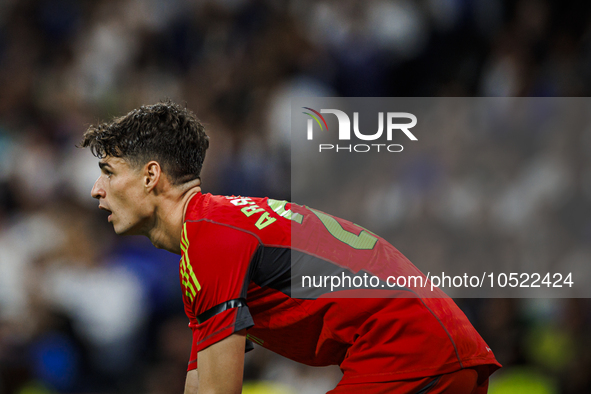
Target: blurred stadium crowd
(82,311)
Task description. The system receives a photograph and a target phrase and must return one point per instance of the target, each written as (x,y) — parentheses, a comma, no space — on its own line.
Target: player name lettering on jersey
(250,208)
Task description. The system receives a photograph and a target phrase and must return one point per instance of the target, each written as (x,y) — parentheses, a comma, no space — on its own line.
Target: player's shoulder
(255,215)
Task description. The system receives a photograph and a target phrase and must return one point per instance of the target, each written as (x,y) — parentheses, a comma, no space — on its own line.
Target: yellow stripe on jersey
(186,280)
(189,279)
(189,289)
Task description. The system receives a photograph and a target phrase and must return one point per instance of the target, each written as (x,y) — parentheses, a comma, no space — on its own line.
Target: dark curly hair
(165,132)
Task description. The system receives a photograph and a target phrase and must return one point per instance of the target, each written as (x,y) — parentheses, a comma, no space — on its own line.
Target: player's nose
(97,190)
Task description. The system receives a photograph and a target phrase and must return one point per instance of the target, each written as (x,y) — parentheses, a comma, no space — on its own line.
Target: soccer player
(244,265)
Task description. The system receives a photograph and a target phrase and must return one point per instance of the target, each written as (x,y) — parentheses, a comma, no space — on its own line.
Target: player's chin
(120,230)
(125,230)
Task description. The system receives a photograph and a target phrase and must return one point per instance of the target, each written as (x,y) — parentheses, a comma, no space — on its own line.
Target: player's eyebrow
(103,164)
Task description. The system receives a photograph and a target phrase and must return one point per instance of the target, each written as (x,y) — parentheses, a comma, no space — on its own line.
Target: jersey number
(363,241)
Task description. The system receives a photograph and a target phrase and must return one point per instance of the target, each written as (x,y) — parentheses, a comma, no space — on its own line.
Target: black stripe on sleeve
(236,303)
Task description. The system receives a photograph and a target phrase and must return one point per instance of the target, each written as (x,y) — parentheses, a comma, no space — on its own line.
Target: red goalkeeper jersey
(269,266)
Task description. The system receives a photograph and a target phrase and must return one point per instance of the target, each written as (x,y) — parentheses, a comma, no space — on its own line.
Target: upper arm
(192,382)
(215,278)
(221,365)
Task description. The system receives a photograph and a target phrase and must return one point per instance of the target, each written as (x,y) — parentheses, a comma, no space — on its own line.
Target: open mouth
(108,210)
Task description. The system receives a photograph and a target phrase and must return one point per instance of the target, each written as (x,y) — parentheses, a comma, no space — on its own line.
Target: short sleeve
(214,279)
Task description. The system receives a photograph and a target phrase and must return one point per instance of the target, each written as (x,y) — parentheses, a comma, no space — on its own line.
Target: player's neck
(169,217)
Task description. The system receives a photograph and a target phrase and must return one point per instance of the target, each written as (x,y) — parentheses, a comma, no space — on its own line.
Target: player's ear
(152,173)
